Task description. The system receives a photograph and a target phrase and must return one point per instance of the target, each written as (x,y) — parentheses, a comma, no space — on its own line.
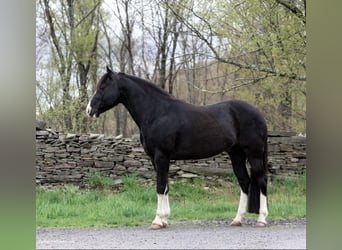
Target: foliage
(71,31)
(201,51)
(264,44)
(136,203)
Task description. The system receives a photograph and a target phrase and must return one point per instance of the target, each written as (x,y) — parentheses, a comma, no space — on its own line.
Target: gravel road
(213,234)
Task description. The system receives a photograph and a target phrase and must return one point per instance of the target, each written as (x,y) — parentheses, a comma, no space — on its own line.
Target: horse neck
(141,104)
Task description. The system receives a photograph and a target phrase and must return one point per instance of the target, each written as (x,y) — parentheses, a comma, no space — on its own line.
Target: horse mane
(148,86)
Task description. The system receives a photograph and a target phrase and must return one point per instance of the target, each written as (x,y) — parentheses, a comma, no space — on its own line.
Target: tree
(124,56)
(73,33)
(84,47)
(62,57)
(162,29)
(200,51)
(264,40)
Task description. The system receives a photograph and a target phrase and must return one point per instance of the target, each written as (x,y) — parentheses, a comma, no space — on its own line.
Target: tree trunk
(285,107)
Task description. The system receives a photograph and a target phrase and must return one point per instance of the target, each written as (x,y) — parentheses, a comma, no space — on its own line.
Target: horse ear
(109,70)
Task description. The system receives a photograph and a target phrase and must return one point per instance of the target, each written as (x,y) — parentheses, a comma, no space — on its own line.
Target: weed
(97,180)
(136,203)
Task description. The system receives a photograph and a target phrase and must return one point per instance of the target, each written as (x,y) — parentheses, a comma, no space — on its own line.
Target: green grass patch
(96,180)
(135,204)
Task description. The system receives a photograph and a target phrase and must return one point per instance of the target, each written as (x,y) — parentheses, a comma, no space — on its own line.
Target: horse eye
(102,86)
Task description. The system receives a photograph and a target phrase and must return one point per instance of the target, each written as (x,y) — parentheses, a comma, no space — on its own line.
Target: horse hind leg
(238,159)
(258,190)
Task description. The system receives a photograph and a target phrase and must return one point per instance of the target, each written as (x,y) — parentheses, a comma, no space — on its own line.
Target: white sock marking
(163,210)
(263,211)
(242,207)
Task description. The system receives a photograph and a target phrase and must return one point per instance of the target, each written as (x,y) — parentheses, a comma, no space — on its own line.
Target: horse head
(106,96)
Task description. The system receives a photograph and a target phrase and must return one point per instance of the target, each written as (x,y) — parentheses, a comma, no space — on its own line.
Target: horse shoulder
(161,132)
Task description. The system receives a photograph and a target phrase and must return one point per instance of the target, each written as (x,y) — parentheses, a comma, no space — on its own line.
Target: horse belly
(201,147)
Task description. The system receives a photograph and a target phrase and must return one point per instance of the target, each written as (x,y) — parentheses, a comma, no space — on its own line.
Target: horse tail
(265,156)
(258,181)
(254,196)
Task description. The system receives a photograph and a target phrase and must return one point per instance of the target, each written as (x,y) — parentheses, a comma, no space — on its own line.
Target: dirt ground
(214,234)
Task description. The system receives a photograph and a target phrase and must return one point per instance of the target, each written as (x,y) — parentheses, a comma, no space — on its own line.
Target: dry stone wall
(71,158)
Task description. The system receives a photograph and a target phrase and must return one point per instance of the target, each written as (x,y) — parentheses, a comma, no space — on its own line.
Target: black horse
(171,129)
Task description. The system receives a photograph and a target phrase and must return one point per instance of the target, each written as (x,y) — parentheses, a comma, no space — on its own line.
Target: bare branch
(251,82)
(231,61)
(90,12)
(290,5)
(53,35)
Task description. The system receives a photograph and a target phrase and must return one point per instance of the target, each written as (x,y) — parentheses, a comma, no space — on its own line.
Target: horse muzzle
(91,112)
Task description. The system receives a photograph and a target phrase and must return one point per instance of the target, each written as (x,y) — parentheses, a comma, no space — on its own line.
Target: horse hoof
(156,226)
(260,224)
(236,223)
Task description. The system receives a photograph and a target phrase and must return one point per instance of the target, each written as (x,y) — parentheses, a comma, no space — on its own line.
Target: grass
(135,204)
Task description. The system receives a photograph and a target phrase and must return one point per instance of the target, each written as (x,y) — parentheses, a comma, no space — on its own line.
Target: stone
(63,166)
(104,164)
(62,155)
(188,175)
(281,133)
(285,148)
(132,163)
(71,177)
(73,149)
(141,150)
(142,169)
(119,168)
(70,136)
(60,161)
(117,182)
(118,137)
(148,174)
(49,150)
(40,125)
(173,169)
(43,133)
(294,160)
(207,171)
(180,172)
(93,136)
(101,137)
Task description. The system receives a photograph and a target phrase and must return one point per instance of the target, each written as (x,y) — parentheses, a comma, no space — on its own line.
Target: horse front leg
(163,207)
